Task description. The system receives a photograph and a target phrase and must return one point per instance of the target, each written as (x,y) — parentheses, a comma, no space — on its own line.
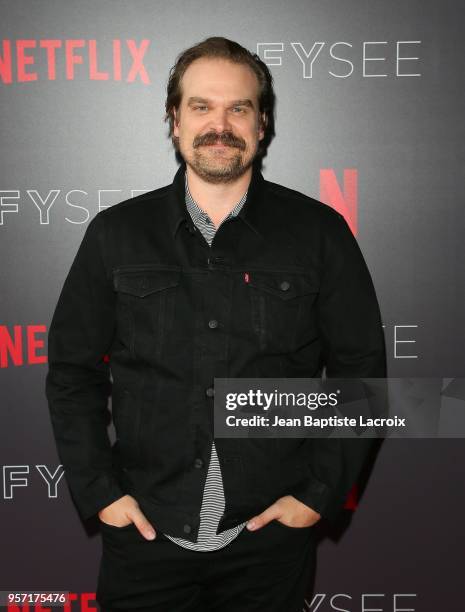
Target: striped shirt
(213,502)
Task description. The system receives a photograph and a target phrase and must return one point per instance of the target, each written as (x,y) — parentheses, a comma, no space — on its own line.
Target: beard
(218,165)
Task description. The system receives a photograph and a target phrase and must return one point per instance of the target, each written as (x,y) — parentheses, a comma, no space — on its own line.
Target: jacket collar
(248,213)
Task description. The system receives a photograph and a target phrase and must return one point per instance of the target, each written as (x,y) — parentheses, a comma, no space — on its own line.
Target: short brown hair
(223,48)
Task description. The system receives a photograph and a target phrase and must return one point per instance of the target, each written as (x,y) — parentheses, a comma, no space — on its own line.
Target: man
(220,274)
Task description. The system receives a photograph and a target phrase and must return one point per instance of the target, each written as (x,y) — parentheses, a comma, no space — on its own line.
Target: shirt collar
(248,212)
(198,215)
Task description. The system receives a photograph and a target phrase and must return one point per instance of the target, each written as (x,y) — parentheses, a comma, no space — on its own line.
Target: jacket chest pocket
(281,309)
(146,300)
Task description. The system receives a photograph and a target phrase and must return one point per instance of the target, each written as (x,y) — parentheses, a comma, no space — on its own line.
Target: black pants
(268,570)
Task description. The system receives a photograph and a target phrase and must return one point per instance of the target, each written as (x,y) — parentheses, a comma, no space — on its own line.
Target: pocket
(146,299)
(289,528)
(115,527)
(281,307)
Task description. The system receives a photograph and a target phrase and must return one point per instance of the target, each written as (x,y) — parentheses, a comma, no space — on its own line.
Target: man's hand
(287,510)
(125,511)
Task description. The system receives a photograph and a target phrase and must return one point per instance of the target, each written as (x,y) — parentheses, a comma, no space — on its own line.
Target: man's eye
(200,107)
(240,109)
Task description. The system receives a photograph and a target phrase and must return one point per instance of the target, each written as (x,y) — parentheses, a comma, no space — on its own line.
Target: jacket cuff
(93,497)
(313,493)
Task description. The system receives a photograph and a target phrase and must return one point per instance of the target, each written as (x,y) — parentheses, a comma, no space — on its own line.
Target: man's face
(217,124)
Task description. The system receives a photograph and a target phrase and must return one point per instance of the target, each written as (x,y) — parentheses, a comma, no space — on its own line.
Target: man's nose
(220,120)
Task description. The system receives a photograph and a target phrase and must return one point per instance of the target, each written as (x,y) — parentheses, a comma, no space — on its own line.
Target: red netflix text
(22,345)
(26,60)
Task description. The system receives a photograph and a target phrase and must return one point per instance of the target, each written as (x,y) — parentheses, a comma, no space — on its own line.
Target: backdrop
(370,98)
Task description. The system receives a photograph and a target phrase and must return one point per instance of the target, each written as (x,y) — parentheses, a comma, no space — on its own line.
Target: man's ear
(175,122)
(262,121)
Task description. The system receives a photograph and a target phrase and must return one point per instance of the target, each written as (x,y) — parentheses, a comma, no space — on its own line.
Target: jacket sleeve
(353,346)
(78,381)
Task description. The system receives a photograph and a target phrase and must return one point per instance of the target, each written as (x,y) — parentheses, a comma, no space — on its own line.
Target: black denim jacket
(150,314)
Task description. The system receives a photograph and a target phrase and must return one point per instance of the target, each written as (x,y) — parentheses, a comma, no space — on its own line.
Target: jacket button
(212,324)
(187,528)
(285,285)
(198,462)
(210,391)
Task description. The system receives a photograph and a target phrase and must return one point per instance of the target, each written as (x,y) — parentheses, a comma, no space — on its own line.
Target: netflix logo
(26,60)
(23,345)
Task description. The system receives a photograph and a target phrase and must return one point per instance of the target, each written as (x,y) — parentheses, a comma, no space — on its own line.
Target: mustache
(226,138)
